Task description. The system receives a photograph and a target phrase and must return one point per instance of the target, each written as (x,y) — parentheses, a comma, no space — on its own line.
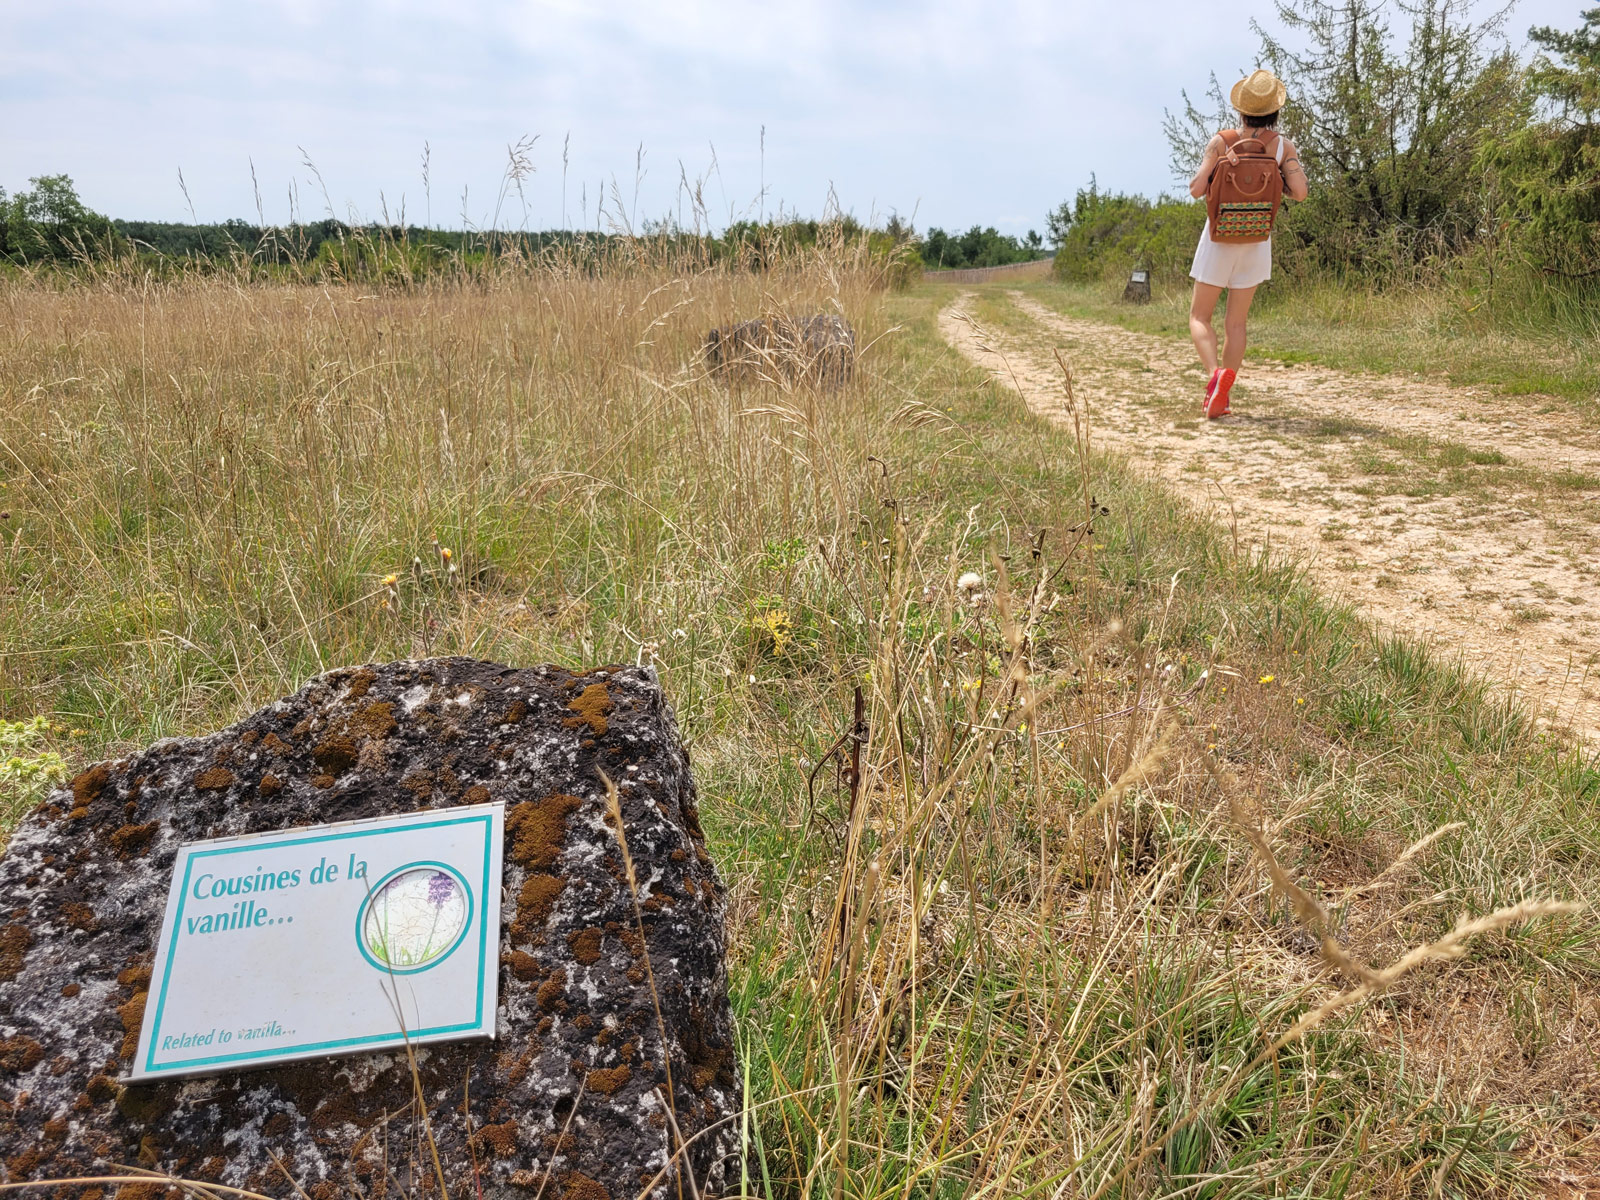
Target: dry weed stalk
(1373,981)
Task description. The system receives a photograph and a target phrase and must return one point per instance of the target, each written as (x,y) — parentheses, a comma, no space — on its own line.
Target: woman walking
(1235,251)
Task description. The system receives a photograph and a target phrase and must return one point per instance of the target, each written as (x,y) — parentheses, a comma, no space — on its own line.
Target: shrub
(1105,234)
(27,769)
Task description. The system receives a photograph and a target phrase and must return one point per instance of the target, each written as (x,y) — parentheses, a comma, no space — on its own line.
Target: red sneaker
(1211,388)
(1217,405)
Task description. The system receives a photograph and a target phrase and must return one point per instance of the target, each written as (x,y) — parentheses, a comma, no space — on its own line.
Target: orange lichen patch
(515,713)
(360,682)
(708,1062)
(69,990)
(78,915)
(476,794)
(323,781)
(375,720)
(335,754)
(90,784)
(249,737)
(592,705)
(500,1140)
(101,1088)
(133,840)
(575,1185)
(523,965)
(609,1080)
(20,1054)
(135,977)
(516,1066)
(419,784)
(534,902)
(585,945)
(270,786)
(14,943)
(213,779)
(538,829)
(552,990)
(132,1013)
(272,742)
(24,1164)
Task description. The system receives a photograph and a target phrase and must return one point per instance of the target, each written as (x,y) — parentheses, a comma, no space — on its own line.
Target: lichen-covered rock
(819,349)
(571,1097)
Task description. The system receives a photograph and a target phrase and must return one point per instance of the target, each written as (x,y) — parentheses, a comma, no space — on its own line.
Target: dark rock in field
(819,349)
(571,1096)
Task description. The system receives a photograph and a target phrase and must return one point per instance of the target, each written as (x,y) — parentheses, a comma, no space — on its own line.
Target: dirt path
(1436,511)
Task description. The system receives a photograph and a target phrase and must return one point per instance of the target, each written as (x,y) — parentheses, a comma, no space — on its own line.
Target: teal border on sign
(285,1052)
(361,917)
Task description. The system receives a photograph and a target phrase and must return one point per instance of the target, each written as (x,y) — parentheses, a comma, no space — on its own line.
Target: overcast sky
(985,111)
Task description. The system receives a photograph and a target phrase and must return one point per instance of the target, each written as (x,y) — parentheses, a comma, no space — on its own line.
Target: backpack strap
(1266,138)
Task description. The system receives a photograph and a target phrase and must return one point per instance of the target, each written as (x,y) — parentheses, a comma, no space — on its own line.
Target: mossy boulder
(819,350)
(573,1097)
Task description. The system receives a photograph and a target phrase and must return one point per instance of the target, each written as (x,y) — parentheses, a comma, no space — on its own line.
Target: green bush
(1548,172)
(1103,235)
(50,222)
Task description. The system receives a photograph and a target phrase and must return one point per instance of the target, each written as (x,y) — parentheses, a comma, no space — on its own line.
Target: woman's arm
(1197,185)
(1294,175)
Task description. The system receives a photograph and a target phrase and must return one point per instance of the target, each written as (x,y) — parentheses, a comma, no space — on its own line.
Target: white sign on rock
(327,939)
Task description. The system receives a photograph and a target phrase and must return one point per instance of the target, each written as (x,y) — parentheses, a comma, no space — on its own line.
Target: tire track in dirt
(1447,534)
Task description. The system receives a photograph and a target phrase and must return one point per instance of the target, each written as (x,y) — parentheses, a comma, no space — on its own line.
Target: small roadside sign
(326,939)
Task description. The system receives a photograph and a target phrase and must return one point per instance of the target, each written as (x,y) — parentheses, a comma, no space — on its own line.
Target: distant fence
(1039,268)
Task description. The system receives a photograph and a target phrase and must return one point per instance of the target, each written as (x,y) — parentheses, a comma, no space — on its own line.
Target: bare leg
(1234,324)
(1201,308)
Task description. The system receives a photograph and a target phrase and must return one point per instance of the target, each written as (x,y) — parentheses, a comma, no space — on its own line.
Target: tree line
(979,246)
(48,224)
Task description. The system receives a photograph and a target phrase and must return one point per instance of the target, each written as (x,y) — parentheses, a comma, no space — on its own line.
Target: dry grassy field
(1162,873)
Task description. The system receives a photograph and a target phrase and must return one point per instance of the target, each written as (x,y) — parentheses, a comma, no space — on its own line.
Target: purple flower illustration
(441,889)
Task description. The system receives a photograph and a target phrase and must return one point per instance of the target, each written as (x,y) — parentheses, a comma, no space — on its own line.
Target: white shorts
(1231,265)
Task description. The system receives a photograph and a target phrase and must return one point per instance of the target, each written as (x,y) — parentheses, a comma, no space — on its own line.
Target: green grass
(1038,951)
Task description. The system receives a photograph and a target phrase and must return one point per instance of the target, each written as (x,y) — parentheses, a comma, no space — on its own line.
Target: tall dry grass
(1011,933)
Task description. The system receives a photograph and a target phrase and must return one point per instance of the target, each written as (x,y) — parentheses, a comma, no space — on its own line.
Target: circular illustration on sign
(414,918)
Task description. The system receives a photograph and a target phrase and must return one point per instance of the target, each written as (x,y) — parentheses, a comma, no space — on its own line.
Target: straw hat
(1258,93)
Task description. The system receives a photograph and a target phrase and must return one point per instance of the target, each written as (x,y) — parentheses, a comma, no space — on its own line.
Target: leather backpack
(1242,199)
